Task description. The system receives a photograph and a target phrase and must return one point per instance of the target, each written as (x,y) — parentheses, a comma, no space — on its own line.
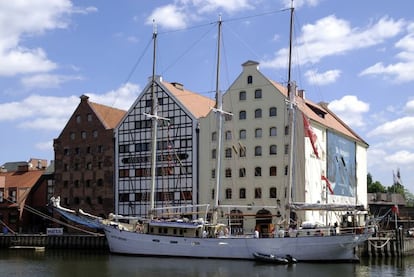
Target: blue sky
(356,55)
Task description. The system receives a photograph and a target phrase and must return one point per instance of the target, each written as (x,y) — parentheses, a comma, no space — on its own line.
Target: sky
(358,56)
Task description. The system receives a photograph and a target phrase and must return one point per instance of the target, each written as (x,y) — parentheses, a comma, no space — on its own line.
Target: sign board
(54,231)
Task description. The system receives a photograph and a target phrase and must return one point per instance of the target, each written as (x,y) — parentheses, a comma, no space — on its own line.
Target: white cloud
(331,36)
(52,113)
(179,14)
(350,109)
(169,17)
(409,107)
(20,18)
(323,78)
(45,146)
(400,158)
(47,80)
(300,3)
(400,71)
(400,126)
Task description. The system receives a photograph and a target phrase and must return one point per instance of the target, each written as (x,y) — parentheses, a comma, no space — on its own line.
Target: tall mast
(154,118)
(218,109)
(291,107)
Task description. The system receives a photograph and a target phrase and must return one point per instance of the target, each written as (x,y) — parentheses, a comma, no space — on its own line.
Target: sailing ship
(202,239)
(199,238)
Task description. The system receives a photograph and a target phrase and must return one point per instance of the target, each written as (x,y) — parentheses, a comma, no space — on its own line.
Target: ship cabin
(176,229)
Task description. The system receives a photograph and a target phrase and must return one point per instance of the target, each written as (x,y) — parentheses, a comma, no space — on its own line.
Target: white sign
(54,231)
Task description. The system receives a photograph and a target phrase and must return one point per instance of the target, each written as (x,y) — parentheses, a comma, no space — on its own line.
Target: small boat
(270,258)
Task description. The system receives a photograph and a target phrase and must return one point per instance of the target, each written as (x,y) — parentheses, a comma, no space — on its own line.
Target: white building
(177,150)
(256,147)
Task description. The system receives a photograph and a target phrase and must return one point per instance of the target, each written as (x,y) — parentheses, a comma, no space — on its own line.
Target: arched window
(258,113)
(228,152)
(242,95)
(257,171)
(242,115)
(258,151)
(250,79)
(228,135)
(258,133)
(272,131)
(228,172)
(273,149)
(273,192)
(242,134)
(258,94)
(242,193)
(272,111)
(273,171)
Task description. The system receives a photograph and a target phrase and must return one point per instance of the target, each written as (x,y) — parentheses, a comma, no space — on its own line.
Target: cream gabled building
(256,146)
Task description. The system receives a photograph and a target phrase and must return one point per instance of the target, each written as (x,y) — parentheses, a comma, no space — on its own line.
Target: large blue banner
(341,165)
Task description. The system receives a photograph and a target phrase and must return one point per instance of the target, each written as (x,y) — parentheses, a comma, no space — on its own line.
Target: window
(250,79)
(286,130)
(258,151)
(286,149)
(273,149)
(228,193)
(12,194)
(242,95)
(228,117)
(78,119)
(242,134)
(212,193)
(213,136)
(257,171)
(273,171)
(100,182)
(72,136)
(213,174)
(257,193)
(272,111)
(258,133)
(83,134)
(286,170)
(228,172)
(227,153)
(272,192)
(272,131)
(95,134)
(89,166)
(123,173)
(242,193)
(258,94)
(76,183)
(242,115)
(228,135)
(89,117)
(213,153)
(242,151)
(242,172)
(123,148)
(1,195)
(66,151)
(258,113)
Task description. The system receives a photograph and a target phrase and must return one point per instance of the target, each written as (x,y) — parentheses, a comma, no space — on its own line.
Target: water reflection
(91,264)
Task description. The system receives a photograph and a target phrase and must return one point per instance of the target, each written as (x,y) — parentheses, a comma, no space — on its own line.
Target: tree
(374,187)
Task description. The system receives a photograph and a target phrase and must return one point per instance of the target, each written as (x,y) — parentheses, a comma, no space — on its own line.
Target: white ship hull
(303,248)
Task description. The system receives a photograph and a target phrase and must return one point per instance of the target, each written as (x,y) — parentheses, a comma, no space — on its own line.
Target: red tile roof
(109,116)
(197,104)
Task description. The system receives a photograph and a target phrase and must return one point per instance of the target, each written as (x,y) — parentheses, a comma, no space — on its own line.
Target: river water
(90,264)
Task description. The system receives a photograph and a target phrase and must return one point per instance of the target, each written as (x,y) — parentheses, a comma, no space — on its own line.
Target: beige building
(256,145)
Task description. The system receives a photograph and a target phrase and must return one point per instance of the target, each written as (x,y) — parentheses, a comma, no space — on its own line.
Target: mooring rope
(381,246)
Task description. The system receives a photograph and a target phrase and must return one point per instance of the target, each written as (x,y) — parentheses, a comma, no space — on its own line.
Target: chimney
(301,93)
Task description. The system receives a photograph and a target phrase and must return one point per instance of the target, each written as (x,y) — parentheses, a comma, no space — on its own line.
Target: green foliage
(374,187)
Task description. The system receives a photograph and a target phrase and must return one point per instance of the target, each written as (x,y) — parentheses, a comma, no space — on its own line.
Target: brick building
(84,158)
(24,188)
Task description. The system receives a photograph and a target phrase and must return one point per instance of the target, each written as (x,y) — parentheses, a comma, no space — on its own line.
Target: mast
(218,109)
(154,118)
(291,86)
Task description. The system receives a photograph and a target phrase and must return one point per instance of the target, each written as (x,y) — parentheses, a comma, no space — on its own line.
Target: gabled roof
(321,114)
(110,117)
(21,179)
(197,104)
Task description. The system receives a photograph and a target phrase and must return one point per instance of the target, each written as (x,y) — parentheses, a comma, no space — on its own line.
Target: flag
(327,184)
(395,209)
(310,134)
